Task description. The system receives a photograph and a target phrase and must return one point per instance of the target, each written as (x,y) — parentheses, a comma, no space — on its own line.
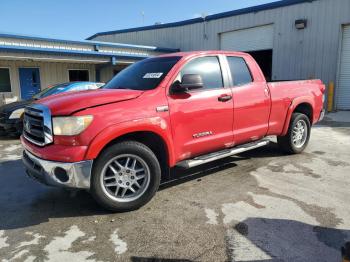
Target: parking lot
(258,206)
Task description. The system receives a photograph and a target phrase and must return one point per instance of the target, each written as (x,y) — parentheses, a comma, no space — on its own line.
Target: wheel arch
(156,137)
(304,105)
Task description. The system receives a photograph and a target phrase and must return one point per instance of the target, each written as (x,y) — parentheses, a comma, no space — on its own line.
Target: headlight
(17,114)
(71,125)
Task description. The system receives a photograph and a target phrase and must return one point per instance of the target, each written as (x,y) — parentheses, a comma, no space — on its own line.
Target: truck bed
(283,93)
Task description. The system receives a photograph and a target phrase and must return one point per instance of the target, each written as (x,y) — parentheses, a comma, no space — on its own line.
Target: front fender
(155,125)
(295,102)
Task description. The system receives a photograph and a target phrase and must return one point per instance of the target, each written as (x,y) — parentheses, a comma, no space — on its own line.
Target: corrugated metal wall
(343,91)
(108,72)
(297,54)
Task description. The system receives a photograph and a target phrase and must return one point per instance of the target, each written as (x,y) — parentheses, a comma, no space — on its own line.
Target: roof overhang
(89,43)
(15,53)
(14,47)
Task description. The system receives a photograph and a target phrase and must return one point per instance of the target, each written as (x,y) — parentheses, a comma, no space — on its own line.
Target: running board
(221,154)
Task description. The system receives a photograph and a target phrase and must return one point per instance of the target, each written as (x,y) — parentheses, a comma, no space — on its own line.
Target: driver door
(202,119)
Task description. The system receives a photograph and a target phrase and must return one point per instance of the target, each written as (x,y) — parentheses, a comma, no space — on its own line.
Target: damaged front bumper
(68,175)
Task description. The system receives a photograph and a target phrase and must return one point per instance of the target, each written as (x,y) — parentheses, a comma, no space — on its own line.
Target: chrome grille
(37,125)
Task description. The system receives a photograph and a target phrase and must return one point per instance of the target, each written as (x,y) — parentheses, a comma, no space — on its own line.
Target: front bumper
(60,174)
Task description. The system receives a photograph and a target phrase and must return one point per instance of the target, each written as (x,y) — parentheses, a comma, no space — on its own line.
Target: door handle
(224,98)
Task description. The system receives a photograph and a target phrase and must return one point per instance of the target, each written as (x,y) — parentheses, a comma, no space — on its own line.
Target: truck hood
(68,103)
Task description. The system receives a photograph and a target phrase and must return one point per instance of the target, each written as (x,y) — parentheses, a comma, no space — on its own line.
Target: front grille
(37,127)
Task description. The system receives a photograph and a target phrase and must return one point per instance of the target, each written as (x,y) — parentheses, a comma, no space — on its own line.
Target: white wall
(50,73)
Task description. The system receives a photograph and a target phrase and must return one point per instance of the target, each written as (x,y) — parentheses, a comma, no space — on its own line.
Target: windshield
(51,91)
(143,75)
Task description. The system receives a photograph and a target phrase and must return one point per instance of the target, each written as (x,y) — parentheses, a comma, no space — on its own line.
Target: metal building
(290,39)
(29,64)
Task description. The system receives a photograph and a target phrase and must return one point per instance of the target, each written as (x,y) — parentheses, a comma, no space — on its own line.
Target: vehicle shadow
(8,138)
(154,259)
(278,240)
(180,175)
(291,240)
(25,202)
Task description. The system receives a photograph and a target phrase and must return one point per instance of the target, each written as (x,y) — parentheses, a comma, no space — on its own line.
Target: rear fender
(155,125)
(297,101)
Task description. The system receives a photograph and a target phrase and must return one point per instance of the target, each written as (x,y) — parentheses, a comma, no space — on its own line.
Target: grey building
(290,39)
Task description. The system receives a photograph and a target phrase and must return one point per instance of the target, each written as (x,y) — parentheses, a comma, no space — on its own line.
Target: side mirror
(188,82)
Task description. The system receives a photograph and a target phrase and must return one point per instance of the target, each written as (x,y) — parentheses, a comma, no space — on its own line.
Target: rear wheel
(297,138)
(125,176)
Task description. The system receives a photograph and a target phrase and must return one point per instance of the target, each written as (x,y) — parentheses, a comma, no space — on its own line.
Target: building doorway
(29,79)
(264,60)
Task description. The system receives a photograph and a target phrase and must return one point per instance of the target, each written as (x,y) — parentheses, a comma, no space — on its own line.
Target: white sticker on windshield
(152,75)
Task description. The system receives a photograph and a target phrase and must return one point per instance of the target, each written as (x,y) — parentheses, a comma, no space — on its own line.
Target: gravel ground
(258,206)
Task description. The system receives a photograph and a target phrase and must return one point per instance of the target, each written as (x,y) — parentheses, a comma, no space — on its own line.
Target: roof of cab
(208,52)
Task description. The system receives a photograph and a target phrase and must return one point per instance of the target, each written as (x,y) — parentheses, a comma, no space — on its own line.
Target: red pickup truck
(180,109)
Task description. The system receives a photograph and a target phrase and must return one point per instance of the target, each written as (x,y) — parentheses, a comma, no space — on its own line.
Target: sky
(79,19)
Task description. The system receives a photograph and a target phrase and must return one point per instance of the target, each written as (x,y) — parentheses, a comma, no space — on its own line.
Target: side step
(222,154)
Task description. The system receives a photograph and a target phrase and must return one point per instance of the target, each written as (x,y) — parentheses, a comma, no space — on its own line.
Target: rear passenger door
(201,120)
(251,102)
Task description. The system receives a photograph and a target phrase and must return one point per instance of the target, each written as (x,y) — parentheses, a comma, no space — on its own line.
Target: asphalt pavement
(262,205)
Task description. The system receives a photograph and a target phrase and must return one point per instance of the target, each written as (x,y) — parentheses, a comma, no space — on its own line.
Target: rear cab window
(208,68)
(240,73)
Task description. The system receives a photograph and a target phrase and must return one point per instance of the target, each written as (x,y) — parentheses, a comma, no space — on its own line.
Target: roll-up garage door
(251,39)
(343,89)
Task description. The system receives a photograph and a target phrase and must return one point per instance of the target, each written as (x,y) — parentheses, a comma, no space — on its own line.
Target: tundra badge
(198,135)
(162,109)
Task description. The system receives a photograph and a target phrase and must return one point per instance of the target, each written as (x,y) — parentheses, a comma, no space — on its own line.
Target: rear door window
(239,71)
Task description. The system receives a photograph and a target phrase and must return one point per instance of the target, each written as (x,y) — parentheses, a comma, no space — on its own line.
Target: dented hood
(68,103)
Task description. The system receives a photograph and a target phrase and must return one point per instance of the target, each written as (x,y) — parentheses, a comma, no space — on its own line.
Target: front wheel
(125,176)
(297,138)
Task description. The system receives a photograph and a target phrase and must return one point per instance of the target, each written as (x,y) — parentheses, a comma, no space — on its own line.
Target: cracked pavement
(259,206)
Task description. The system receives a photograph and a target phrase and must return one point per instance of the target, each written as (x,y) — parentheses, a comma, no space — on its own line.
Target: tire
(286,142)
(113,172)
